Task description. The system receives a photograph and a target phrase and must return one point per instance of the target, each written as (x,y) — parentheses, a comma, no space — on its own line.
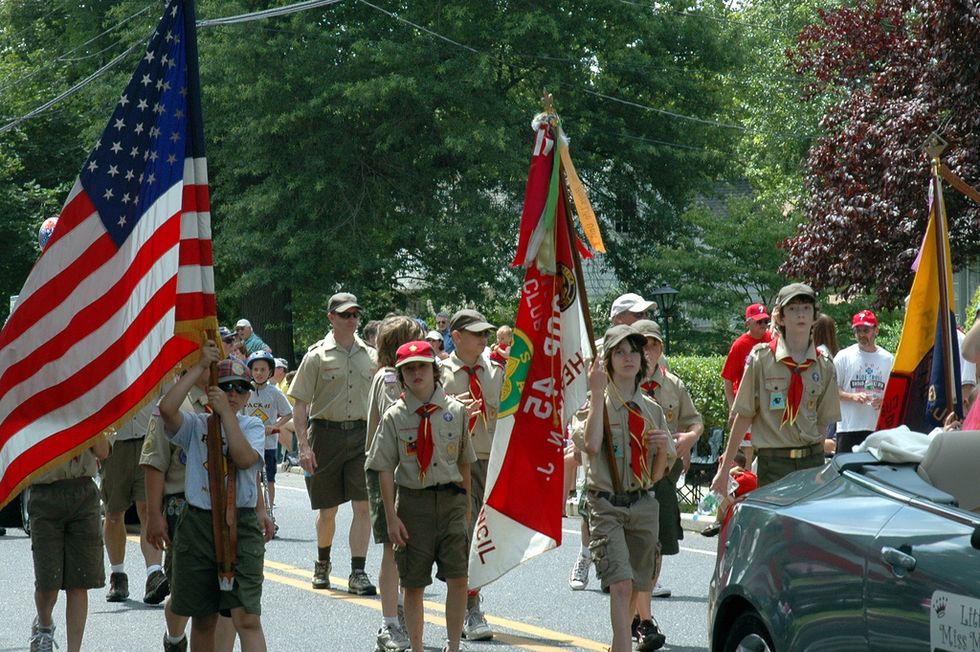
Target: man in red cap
(862,371)
(757,323)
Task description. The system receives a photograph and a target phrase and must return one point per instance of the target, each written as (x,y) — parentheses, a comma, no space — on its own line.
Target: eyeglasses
(764,322)
(348,315)
(228,340)
(235,386)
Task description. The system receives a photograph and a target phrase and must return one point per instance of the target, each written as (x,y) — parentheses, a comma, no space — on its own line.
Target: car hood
(795,486)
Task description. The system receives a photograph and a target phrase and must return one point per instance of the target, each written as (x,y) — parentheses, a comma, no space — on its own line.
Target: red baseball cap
(864,318)
(756,311)
(417,351)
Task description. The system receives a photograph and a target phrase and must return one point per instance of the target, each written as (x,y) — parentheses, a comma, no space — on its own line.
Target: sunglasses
(228,340)
(348,315)
(235,386)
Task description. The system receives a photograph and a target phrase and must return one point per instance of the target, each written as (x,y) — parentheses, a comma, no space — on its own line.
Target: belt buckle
(346,425)
(798,453)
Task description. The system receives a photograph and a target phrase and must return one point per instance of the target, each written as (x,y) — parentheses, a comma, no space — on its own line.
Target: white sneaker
(42,638)
(475,627)
(660,591)
(580,573)
(392,639)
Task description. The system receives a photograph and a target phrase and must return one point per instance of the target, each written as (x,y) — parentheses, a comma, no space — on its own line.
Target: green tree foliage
(702,376)
(384,151)
(889,72)
(726,259)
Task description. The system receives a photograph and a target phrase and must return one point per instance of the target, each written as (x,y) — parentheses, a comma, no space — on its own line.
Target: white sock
(118,568)
(152,568)
(391,621)
(584,551)
(173,639)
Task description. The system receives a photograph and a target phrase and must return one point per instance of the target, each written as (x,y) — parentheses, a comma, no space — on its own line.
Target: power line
(266,13)
(63,57)
(420,28)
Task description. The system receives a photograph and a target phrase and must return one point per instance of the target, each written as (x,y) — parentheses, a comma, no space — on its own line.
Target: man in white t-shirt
(862,371)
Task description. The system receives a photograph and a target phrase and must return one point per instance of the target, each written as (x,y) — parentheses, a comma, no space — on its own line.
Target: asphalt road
(531,608)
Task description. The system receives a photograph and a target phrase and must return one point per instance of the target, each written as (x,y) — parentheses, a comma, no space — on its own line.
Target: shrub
(702,375)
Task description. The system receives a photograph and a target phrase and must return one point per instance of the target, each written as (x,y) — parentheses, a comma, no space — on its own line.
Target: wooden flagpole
(935,146)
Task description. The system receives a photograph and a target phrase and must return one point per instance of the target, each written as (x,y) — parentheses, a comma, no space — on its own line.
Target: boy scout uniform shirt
(673,398)
(598,475)
(385,390)
(83,465)
(456,380)
(165,457)
(764,392)
(394,447)
(136,427)
(192,435)
(334,382)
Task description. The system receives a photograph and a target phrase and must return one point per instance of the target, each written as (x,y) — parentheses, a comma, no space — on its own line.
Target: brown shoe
(118,588)
(321,575)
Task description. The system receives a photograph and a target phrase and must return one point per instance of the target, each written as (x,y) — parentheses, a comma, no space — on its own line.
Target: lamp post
(665,296)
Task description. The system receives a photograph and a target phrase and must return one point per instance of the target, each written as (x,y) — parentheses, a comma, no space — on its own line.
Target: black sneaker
(635,627)
(712,530)
(157,588)
(649,637)
(118,588)
(179,646)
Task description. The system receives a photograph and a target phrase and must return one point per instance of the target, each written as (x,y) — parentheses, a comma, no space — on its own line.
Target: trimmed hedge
(702,375)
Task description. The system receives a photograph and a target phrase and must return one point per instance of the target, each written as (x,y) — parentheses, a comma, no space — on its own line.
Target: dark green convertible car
(858,555)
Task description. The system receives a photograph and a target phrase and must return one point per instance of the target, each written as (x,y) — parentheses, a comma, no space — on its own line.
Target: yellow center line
(544,640)
(552,640)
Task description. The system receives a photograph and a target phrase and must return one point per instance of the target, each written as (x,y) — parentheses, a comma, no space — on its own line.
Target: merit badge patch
(447,416)
(777,401)
(816,376)
(451,450)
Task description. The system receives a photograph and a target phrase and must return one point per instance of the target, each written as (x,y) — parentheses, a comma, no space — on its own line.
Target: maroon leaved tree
(889,73)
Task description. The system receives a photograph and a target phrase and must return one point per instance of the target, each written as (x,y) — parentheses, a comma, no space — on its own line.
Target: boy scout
(685,425)
(628,450)
(469,375)
(66,540)
(195,589)
(330,391)
(163,464)
(423,446)
(385,391)
(788,395)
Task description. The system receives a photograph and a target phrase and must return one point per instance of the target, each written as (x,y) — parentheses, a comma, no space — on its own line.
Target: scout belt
(790,453)
(620,500)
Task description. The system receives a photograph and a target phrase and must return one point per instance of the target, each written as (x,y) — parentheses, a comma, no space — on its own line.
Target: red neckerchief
(476,393)
(639,451)
(650,387)
(795,396)
(423,443)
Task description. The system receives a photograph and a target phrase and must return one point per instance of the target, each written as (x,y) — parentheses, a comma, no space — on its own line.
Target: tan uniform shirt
(165,457)
(335,382)
(394,447)
(764,392)
(136,427)
(674,399)
(83,465)
(385,390)
(598,475)
(456,380)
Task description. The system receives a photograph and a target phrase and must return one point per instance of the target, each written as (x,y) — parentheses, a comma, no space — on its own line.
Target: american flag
(120,295)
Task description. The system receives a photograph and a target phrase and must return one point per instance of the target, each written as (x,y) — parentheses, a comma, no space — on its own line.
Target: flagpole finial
(547,102)
(935,145)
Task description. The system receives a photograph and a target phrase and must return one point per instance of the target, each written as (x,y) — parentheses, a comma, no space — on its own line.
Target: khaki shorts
(623,540)
(376,505)
(665,490)
(123,481)
(194,584)
(339,475)
(437,531)
(66,535)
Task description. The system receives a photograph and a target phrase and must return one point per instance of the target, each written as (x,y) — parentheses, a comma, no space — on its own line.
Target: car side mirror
(975,539)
